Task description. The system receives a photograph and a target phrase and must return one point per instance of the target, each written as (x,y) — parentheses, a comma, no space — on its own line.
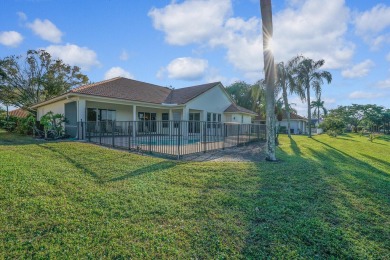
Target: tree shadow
(294,147)
(160,166)
(385,163)
(75,163)
(318,208)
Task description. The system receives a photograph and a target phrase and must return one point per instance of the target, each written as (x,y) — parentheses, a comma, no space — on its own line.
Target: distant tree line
(358,118)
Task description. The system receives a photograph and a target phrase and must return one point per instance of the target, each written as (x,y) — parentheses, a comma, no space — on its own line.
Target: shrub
(334,125)
(52,125)
(10,124)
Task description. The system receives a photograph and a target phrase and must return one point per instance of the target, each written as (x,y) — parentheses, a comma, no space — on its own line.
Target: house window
(165,119)
(208,120)
(194,123)
(147,122)
(213,119)
(104,115)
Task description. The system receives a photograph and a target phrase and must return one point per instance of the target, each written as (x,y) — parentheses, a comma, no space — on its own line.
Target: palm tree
(318,105)
(269,70)
(258,97)
(309,76)
(285,82)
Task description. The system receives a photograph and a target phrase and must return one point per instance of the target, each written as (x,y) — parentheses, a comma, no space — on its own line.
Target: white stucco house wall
(298,124)
(122,99)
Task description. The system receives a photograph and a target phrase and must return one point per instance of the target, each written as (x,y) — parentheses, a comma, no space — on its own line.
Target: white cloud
(124,55)
(364,95)
(314,29)
(309,28)
(359,70)
(371,24)
(374,20)
(74,55)
(191,21)
(10,38)
(46,30)
(117,72)
(384,83)
(185,68)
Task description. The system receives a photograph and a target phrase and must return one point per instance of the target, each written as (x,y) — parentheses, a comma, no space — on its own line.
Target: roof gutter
(169,105)
(63,96)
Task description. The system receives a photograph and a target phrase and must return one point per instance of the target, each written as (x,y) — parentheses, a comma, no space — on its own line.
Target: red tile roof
(133,90)
(235,108)
(183,95)
(128,89)
(19,113)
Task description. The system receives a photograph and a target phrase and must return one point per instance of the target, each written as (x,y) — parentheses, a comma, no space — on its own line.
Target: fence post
(250,132)
(99,124)
(82,129)
(223,136)
(88,133)
(150,138)
(129,132)
(178,138)
(204,136)
(113,133)
(238,135)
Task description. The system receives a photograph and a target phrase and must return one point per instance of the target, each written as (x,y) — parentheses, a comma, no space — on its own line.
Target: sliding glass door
(147,122)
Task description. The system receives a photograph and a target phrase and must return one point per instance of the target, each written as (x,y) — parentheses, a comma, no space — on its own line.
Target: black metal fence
(175,138)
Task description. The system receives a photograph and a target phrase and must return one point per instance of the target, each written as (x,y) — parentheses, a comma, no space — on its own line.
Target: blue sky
(183,43)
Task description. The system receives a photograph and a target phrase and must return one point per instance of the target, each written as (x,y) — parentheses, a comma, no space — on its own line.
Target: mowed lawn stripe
(327,197)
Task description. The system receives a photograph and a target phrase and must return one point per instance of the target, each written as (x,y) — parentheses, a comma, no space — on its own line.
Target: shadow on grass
(99,179)
(76,164)
(385,163)
(148,169)
(294,147)
(384,137)
(7,138)
(342,157)
(317,208)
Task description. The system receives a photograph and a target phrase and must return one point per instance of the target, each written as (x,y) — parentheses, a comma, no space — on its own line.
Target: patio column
(170,122)
(81,107)
(184,124)
(134,120)
(81,116)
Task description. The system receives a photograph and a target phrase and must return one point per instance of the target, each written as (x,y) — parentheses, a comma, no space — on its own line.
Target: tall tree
(310,76)
(241,93)
(35,78)
(285,82)
(258,97)
(269,69)
(318,105)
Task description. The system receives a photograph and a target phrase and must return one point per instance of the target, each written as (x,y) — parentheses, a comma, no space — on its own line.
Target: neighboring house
(19,113)
(122,99)
(298,124)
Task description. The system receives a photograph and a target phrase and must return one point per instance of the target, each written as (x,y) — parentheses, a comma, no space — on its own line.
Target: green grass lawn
(326,198)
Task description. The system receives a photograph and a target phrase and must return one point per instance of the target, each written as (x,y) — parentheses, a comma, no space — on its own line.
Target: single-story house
(122,99)
(298,124)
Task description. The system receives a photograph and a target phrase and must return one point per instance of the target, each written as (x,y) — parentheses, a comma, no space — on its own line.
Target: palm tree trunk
(308,108)
(287,109)
(318,116)
(269,68)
